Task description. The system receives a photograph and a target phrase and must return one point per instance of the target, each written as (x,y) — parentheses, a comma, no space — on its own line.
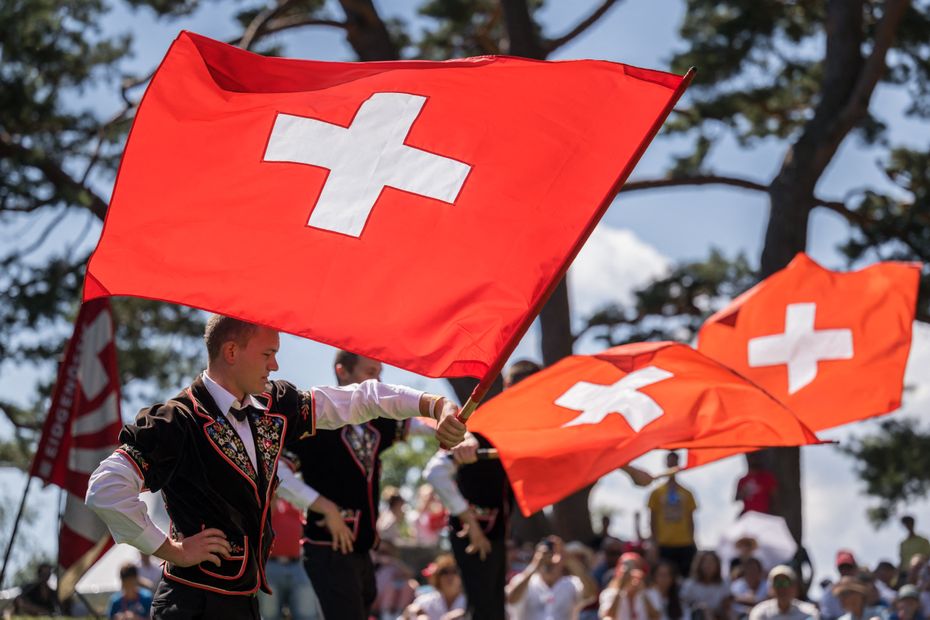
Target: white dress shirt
(540,602)
(114,487)
(440,473)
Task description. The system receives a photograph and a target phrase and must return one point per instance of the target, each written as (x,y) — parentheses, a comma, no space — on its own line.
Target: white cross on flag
(832,346)
(569,424)
(801,346)
(417,212)
(365,158)
(596,402)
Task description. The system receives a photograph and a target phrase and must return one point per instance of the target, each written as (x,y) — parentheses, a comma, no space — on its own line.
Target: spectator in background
(132,602)
(665,586)
(446,600)
(149,572)
(611,550)
(291,588)
(603,534)
(906,605)
(394,583)
(758,488)
(853,593)
(917,571)
(392,523)
(830,608)
(704,593)
(627,597)
(38,598)
(585,557)
(745,549)
(913,544)
(430,517)
(671,518)
(784,604)
(554,585)
(885,575)
(750,589)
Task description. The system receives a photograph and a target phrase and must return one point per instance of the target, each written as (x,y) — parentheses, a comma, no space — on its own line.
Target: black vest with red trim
(485,486)
(345,467)
(190,452)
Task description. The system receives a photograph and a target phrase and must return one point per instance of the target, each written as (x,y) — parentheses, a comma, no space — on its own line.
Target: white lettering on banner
(801,347)
(596,402)
(363,159)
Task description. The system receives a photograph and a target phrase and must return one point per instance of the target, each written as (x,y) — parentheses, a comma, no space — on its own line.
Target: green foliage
(897,226)
(894,464)
(674,307)
(403,464)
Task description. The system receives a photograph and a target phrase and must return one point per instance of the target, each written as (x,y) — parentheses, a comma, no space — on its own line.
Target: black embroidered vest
(190,452)
(346,469)
(485,486)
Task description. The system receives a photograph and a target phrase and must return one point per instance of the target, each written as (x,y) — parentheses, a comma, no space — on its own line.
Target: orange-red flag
(831,346)
(577,420)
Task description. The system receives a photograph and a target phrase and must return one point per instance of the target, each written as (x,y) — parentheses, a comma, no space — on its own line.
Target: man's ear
(229,351)
(341,373)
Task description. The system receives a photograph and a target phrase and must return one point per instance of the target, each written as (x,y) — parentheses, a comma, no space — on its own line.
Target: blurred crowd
(659,576)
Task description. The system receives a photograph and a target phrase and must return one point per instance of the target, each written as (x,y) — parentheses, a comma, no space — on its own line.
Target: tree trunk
(366,31)
(791,204)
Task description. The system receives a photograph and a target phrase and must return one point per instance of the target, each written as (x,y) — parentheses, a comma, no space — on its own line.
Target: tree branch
(252,31)
(707,179)
(837,206)
(554,44)
(55,175)
(857,104)
(297,21)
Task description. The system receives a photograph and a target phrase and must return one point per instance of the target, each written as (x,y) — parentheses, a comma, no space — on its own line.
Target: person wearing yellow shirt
(671,517)
(913,545)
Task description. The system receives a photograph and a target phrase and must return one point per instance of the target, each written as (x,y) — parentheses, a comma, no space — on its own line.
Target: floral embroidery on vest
(134,453)
(268,431)
(364,446)
(227,439)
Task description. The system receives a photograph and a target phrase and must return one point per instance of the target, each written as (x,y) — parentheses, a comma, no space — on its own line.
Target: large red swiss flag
(416,212)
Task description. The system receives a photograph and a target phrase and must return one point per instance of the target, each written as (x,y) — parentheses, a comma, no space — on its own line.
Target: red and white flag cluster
(805,350)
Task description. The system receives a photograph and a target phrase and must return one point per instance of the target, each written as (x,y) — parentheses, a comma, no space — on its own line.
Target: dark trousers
(344,583)
(681,557)
(484,581)
(176,601)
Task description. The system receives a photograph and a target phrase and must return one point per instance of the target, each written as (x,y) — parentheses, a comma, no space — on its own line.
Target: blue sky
(640,236)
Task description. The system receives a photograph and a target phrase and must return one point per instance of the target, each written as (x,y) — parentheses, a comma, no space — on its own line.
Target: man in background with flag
(213,451)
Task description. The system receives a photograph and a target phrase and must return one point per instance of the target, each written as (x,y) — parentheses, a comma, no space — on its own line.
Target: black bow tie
(242,412)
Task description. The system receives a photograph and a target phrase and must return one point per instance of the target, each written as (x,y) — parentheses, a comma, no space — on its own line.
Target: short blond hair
(222,329)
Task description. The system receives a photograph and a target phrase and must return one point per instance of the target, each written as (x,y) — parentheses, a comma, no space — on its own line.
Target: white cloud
(610,267)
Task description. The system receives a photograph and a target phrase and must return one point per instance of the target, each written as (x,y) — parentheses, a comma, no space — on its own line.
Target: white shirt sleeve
(440,473)
(335,407)
(113,494)
(295,491)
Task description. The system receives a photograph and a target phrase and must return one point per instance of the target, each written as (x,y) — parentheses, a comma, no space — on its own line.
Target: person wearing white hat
(783,583)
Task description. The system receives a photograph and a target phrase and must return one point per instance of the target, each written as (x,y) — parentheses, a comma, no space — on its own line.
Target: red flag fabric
(80,430)
(568,425)
(416,212)
(831,346)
